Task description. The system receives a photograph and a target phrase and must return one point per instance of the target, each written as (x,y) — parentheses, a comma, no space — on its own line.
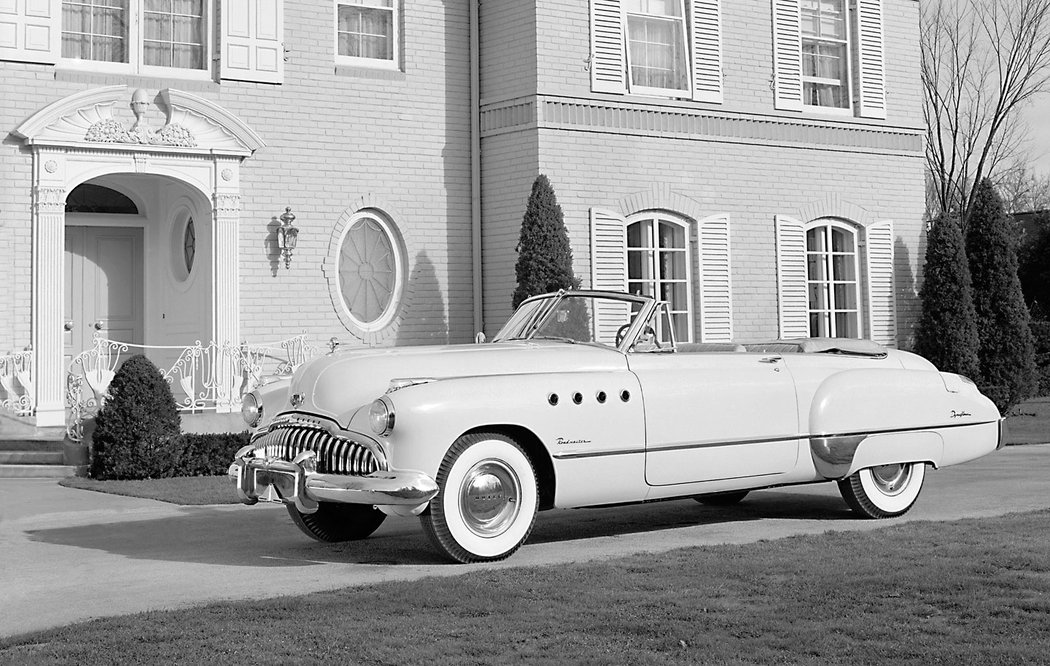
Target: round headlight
(251,410)
(381,416)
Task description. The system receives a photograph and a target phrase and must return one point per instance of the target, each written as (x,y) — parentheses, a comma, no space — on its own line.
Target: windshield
(584,317)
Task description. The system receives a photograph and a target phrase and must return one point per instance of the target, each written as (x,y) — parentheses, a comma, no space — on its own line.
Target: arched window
(832,278)
(658,265)
(370,270)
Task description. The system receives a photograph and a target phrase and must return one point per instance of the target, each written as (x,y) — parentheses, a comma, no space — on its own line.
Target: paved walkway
(69,555)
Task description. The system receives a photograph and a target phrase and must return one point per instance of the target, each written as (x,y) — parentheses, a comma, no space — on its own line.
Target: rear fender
(867,417)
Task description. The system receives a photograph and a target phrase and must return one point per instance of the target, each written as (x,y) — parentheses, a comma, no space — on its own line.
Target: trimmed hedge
(135,426)
(138,432)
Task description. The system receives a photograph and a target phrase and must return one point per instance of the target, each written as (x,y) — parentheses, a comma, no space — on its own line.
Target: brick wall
(333,135)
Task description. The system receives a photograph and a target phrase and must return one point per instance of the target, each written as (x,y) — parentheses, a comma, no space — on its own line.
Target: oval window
(369,271)
(189,245)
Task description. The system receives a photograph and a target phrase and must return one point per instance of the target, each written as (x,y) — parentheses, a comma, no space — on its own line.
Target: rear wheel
(884,491)
(487,502)
(727,498)
(334,522)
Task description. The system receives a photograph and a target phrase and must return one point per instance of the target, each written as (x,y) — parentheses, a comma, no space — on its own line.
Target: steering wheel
(620,332)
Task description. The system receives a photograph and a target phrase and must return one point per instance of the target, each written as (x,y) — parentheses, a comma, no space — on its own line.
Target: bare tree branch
(982,61)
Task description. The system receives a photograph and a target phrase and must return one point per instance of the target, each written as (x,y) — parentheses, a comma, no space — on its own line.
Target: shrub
(135,427)
(207,454)
(1041,336)
(544,255)
(947,333)
(1006,352)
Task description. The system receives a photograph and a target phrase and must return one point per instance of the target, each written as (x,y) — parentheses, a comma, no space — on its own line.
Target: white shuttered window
(667,48)
(651,254)
(828,55)
(835,279)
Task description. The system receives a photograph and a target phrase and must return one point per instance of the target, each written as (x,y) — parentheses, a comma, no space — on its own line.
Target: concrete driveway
(69,555)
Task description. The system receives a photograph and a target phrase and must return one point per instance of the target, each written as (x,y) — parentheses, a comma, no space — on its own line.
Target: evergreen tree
(947,333)
(544,256)
(1006,352)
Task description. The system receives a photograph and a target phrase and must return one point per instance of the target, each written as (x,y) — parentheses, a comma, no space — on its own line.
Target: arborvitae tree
(1006,351)
(544,256)
(947,333)
(135,429)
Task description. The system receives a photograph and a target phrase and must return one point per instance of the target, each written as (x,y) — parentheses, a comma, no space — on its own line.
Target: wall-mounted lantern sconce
(287,235)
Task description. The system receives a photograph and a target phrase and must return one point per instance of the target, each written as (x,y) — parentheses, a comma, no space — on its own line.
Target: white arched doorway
(186,168)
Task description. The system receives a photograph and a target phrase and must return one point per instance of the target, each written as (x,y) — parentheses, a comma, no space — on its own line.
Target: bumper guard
(298,482)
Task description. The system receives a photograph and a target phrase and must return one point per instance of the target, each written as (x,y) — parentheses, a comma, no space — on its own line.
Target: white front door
(103,286)
(712,416)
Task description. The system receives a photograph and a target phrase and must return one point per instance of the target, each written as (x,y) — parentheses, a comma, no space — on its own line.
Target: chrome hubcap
(489,498)
(891,479)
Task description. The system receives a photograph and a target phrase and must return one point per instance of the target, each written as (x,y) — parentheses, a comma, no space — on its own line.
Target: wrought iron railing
(16,383)
(203,377)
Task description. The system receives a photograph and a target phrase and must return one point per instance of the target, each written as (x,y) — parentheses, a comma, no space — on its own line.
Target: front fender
(569,413)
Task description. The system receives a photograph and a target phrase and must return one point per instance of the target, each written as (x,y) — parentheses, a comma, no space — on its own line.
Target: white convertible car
(585,399)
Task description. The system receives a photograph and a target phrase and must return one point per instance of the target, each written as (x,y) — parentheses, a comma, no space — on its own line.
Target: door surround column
(103,131)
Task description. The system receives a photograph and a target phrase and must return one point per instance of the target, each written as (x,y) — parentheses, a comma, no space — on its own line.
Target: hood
(338,384)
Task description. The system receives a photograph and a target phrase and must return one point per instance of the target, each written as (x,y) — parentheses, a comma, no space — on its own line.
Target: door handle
(98,325)
(68,326)
(769,359)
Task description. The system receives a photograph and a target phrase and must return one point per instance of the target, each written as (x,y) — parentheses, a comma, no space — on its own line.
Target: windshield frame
(518,328)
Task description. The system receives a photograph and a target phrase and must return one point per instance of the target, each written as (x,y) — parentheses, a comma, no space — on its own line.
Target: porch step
(37,471)
(32,457)
(30,452)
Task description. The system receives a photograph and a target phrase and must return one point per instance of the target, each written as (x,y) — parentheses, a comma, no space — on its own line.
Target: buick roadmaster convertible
(585,398)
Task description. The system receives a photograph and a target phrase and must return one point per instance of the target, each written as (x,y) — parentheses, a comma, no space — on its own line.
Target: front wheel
(884,491)
(333,522)
(487,502)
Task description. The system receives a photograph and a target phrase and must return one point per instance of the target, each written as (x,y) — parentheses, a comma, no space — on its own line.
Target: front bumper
(297,482)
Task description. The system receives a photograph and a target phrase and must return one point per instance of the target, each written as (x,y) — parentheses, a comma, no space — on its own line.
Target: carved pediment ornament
(95,117)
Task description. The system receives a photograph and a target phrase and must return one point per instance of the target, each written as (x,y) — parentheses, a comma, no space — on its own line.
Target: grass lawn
(971,591)
(187,490)
(1029,422)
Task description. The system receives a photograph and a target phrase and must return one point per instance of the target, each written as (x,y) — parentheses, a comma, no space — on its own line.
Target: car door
(716,415)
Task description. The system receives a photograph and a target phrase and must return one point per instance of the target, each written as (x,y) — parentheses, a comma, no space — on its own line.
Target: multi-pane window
(832,280)
(825,53)
(151,33)
(658,265)
(657,56)
(366,32)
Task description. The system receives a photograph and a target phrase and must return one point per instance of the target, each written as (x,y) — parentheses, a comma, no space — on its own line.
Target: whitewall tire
(487,502)
(884,491)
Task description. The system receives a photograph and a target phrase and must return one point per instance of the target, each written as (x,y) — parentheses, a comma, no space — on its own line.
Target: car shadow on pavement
(266,537)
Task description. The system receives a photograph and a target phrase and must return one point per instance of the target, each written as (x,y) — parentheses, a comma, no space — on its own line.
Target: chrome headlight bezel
(381,416)
(251,409)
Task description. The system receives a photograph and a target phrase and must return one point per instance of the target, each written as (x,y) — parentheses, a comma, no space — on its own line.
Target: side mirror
(479,338)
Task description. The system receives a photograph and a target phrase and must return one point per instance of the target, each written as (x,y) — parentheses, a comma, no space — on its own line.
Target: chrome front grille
(335,455)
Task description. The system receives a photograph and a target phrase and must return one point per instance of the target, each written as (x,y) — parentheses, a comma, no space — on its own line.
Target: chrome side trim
(832,456)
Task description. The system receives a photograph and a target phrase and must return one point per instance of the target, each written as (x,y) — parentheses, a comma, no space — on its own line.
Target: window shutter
(787,55)
(716,301)
(608,72)
(882,303)
(792,291)
(871,93)
(30,30)
(253,40)
(707,50)
(608,270)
